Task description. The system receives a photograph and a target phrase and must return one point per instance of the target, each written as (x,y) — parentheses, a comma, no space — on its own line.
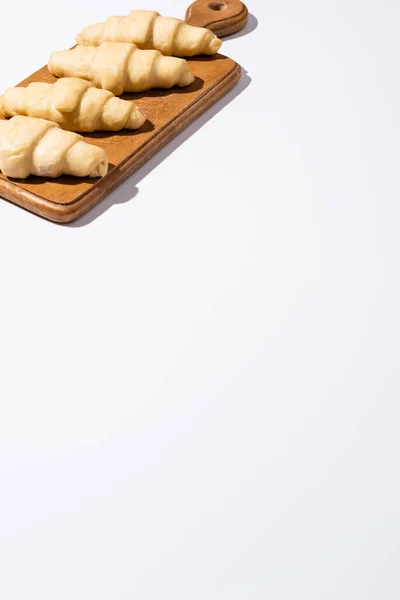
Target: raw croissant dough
(37,147)
(74,104)
(147,29)
(120,67)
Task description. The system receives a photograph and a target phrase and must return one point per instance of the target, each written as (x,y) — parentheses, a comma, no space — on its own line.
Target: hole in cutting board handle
(222,17)
(217,6)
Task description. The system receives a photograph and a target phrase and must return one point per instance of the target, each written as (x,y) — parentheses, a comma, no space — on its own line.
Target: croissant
(74,104)
(119,67)
(147,29)
(31,146)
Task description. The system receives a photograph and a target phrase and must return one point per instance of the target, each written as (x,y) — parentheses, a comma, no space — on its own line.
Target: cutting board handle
(222,17)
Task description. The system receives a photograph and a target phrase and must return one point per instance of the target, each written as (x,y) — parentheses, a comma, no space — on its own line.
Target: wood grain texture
(223,17)
(168,112)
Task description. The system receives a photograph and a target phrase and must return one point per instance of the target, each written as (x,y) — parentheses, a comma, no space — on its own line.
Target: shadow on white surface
(128,190)
(251,25)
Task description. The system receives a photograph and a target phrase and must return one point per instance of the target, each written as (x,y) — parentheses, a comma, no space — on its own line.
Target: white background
(199,393)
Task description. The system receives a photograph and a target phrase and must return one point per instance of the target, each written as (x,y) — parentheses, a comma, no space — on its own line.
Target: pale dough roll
(121,67)
(75,104)
(147,29)
(31,146)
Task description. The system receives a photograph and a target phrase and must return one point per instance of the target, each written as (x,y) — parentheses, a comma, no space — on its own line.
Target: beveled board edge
(66,213)
(222,18)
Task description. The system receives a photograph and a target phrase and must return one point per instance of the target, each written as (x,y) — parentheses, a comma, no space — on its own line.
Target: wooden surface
(223,17)
(168,112)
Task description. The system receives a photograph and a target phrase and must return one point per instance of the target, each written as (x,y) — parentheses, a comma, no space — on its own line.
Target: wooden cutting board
(168,112)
